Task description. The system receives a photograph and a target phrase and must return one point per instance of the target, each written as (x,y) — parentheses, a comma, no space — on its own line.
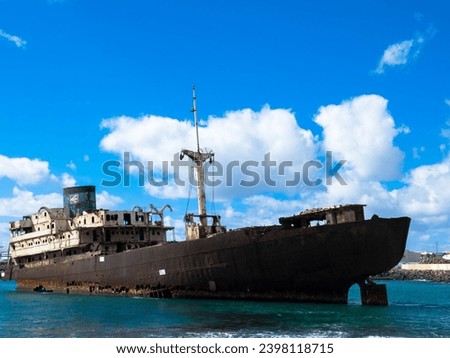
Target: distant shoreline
(414,275)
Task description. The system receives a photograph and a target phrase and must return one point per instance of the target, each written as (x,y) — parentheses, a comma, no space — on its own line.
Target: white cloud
(86,158)
(362,131)
(106,200)
(24,170)
(237,137)
(401,53)
(25,202)
(67,180)
(17,40)
(270,209)
(396,54)
(447,101)
(71,165)
(427,193)
(149,138)
(258,210)
(169,191)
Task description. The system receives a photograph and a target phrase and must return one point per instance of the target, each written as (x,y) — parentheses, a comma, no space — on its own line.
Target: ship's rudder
(373,294)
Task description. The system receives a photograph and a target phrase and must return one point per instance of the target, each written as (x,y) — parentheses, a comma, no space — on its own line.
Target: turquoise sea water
(417,309)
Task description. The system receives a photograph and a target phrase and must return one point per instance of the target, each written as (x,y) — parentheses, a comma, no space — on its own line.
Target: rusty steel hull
(317,264)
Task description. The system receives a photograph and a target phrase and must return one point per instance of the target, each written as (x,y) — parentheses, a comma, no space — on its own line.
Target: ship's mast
(194,110)
(199,157)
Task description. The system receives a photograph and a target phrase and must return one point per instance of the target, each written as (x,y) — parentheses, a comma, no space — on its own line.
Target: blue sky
(82,82)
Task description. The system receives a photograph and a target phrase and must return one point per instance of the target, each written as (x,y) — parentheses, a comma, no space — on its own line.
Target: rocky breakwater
(415,275)
(435,270)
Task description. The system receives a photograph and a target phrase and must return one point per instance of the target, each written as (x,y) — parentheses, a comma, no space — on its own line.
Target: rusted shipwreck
(315,256)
